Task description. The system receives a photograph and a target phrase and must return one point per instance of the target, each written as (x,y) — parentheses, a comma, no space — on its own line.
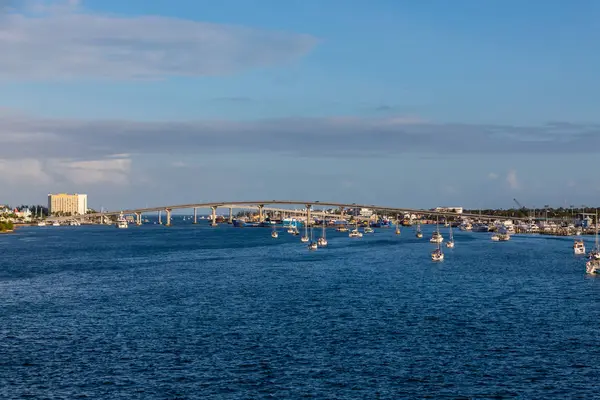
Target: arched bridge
(262,205)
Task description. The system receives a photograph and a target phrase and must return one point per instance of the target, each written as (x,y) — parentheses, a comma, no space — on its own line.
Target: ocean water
(197,312)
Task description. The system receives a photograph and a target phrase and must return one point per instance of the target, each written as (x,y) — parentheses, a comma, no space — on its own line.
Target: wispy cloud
(512,180)
(24,136)
(492,176)
(66,42)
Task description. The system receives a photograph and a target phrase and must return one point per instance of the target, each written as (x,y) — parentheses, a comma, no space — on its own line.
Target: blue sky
(407,103)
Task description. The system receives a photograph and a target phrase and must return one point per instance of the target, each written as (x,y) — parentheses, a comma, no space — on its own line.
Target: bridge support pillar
(214,216)
(308,220)
(261,215)
(195,215)
(168,222)
(159,217)
(138,218)
(230,215)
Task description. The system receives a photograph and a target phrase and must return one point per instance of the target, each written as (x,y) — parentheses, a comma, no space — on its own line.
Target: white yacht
(56,223)
(122,222)
(436,237)
(579,247)
(41,223)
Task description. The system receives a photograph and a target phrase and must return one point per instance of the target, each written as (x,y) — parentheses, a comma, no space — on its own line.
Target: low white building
(365,212)
(458,210)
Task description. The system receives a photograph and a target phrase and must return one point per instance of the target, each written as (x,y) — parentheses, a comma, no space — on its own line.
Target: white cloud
(512,180)
(492,176)
(66,42)
(48,171)
(25,171)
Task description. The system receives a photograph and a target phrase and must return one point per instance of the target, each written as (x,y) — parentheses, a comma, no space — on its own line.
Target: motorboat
(496,238)
(122,222)
(579,247)
(41,223)
(503,237)
(369,230)
(56,223)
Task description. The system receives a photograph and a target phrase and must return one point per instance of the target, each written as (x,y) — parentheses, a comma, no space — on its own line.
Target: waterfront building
(65,203)
(458,210)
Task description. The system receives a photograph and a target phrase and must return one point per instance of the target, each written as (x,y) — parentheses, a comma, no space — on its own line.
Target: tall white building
(68,204)
(81,204)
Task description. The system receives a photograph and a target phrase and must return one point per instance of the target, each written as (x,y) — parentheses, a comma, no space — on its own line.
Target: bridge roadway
(262,203)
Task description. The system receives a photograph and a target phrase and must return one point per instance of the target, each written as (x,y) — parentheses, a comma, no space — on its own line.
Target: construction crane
(519,204)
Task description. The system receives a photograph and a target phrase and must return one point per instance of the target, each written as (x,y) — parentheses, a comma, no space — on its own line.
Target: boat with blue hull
(239,223)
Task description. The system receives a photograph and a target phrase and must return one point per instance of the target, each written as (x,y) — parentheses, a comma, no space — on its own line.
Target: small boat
(274,234)
(368,229)
(579,247)
(595,253)
(355,233)
(419,234)
(322,241)
(41,223)
(56,223)
(503,237)
(436,237)
(342,228)
(122,222)
(437,254)
(592,266)
(305,238)
(450,242)
(312,245)
(397,227)
(496,237)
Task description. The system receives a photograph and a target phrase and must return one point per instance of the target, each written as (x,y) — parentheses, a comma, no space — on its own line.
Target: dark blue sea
(191,312)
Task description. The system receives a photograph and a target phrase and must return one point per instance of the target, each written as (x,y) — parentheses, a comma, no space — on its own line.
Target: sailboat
(304,238)
(437,254)
(419,234)
(322,242)
(592,266)
(397,226)
(312,245)
(450,242)
(354,233)
(274,234)
(437,237)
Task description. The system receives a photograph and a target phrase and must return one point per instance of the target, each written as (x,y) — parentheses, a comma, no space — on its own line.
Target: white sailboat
(437,254)
(450,242)
(312,245)
(419,234)
(274,233)
(305,238)
(397,227)
(355,233)
(322,242)
(592,266)
(436,237)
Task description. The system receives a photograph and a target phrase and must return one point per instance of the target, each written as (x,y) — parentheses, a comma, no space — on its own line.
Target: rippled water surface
(197,312)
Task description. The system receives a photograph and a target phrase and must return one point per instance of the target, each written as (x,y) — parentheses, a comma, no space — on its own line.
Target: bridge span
(308,209)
